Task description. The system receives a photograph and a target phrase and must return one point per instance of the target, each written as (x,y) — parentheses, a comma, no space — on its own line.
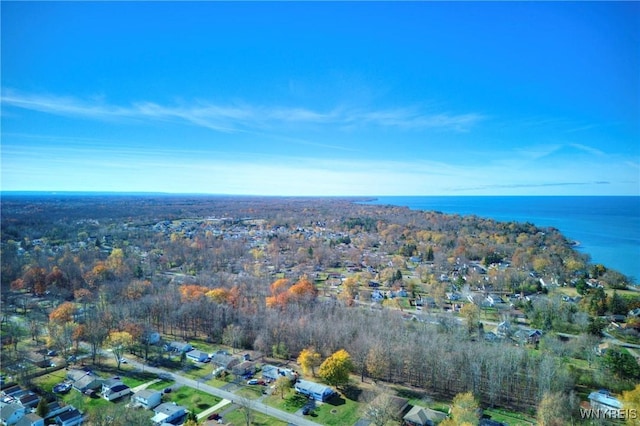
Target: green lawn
(48,381)
(196,371)
(88,404)
(509,417)
(135,380)
(251,391)
(193,399)
(236,417)
(338,411)
(160,385)
(291,403)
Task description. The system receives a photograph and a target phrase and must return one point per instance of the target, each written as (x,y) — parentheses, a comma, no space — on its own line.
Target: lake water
(608,228)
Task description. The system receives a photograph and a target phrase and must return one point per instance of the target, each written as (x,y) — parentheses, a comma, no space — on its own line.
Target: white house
(197,356)
(114,388)
(167,412)
(314,390)
(147,398)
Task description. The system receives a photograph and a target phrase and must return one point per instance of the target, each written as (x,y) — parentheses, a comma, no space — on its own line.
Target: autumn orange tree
(63,313)
(279,293)
(192,292)
(302,292)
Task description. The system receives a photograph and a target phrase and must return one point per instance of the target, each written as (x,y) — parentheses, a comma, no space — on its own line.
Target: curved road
(253,404)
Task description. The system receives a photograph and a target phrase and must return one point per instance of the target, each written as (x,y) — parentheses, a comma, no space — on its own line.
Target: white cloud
(234,118)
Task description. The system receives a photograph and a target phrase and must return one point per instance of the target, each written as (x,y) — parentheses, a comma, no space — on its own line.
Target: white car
(252,382)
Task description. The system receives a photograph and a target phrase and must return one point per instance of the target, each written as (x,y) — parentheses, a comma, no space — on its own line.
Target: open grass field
(338,411)
(236,418)
(193,399)
(291,403)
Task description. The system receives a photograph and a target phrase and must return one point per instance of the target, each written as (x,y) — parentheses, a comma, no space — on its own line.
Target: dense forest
(438,302)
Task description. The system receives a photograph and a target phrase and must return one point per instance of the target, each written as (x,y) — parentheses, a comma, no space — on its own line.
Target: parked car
(52,353)
(214,416)
(252,382)
(167,390)
(306,411)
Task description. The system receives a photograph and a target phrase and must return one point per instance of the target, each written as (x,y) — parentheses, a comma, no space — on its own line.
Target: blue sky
(433,98)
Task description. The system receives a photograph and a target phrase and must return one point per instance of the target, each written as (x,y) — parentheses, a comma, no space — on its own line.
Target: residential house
(224,360)
(147,398)
(178,347)
(271,372)
(603,400)
(314,390)
(394,405)
(13,391)
(31,419)
(71,417)
(377,296)
(246,368)
(152,338)
(10,414)
(197,356)
(494,299)
(168,412)
(421,416)
(113,389)
(503,329)
(534,336)
(84,380)
(54,408)
(29,399)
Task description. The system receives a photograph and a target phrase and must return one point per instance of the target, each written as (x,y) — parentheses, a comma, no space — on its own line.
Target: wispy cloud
(243,117)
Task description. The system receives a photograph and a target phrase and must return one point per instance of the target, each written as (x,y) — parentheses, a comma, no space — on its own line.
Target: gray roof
(423,416)
(169,408)
(146,393)
(605,398)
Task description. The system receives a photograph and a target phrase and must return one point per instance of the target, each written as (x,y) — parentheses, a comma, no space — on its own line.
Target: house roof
(420,415)
(76,374)
(29,419)
(604,398)
(9,409)
(313,387)
(168,408)
(12,390)
(398,404)
(86,381)
(29,398)
(69,414)
(197,353)
(119,388)
(224,360)
(146,393)
(112,382)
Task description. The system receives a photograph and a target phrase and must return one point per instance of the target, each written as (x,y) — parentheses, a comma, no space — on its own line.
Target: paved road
(253,404)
